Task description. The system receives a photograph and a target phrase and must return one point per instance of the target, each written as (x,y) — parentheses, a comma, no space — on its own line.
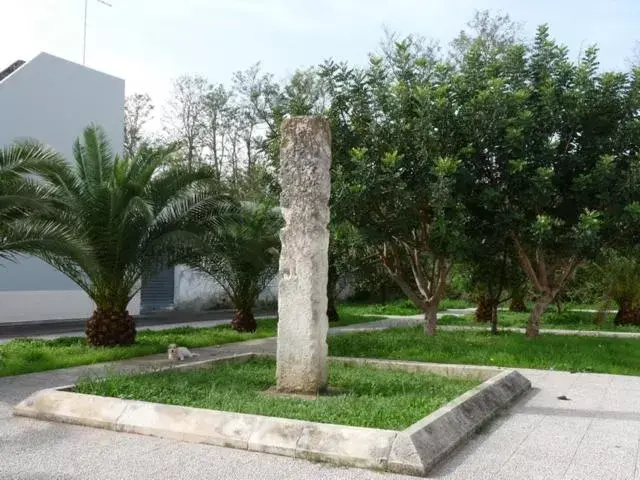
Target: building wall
(196,292)
(52,100)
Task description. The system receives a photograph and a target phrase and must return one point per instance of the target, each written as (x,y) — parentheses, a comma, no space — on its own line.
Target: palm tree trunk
(517,304)
(487,312)
(483,310)
(244,321)
(108,328)
(627,314)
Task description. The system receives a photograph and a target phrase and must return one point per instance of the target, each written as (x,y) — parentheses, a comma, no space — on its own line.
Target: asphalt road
(59,327)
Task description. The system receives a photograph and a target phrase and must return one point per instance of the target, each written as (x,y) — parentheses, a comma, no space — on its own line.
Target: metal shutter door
(157,293)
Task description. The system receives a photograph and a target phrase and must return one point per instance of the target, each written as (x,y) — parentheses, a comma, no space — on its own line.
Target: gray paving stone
(608,450)
(547,452)
(491,448)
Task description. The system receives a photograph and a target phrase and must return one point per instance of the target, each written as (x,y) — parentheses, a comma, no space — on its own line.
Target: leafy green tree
(128,216)
(241,254)
(549,147)
(25,203)
(489,108)
(564,184)
(348,254)
(494,273)
(396,119)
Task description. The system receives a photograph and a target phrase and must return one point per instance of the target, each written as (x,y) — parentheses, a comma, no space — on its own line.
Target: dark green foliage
(26,226)
(392,159)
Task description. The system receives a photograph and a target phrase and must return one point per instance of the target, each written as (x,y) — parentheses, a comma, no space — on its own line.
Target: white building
(52,100)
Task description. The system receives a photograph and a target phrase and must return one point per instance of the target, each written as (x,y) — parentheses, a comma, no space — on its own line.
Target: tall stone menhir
(305,163)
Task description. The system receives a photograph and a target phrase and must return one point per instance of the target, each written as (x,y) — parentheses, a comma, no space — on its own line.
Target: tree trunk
(517,304)
(487,312)
(483,310)
(494,318)
(627,314)
(533,325)
(332,285)
(558,303)
(244,321)
(430,320)
(332,311)
(108,328)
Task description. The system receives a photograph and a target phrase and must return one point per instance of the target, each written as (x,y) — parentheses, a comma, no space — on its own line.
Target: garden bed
(371,392)
(365,396)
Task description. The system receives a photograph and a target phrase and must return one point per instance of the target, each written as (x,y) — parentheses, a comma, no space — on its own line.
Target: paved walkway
(593,435)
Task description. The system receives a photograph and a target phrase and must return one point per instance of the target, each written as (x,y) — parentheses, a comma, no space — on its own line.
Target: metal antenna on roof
(84,42)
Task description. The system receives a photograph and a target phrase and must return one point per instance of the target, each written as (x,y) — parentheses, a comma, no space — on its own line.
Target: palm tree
(241,255)
(128,215)
(618,275)
(25,202)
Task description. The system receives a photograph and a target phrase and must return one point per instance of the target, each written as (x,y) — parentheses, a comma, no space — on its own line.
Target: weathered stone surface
(276,435)
(426,443)
(305,162)
(68,407)
(353,446)
(188,424)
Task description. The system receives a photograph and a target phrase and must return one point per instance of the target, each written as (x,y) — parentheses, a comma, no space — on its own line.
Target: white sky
(150,42)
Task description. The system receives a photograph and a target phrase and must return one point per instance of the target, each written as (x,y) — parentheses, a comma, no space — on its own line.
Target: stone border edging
(415,450)
(423,445)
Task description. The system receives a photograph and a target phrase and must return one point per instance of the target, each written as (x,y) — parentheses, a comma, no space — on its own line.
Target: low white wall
(24,306)
(195,291)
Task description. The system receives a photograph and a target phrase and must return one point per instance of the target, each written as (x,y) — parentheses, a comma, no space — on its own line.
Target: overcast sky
(150,42)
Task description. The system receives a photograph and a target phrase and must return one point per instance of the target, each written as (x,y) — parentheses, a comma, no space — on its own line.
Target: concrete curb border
(415,450)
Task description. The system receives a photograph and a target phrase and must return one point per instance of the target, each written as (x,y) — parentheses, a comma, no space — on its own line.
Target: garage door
(157,292)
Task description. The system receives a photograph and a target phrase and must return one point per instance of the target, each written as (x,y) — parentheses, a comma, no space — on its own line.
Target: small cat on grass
(179,353)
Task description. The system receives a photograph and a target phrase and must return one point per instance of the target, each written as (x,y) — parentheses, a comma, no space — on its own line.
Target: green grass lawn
(399,307)
(32,355)
(566,320)
(369,397)
(560,352)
